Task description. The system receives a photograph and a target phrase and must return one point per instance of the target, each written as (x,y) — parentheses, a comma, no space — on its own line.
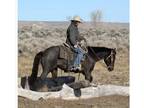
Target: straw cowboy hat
(77,18)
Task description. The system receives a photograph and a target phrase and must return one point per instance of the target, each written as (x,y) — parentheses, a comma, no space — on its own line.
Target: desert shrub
(47,36)
(99,32)
(124,31)
(114,33)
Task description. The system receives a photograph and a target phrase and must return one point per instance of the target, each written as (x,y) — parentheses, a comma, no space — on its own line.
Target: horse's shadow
(50,84)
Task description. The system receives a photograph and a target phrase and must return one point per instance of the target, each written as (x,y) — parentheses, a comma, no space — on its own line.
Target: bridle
(111,54)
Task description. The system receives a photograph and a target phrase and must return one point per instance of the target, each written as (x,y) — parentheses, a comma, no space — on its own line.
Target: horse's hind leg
(45,69)
(44,73)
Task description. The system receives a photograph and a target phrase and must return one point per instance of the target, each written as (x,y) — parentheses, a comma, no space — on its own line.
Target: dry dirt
(101,102)
(36,36)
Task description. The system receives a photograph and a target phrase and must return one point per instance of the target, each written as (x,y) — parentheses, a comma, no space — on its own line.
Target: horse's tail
(35,67)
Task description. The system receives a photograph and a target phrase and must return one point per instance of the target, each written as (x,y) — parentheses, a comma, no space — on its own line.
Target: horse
(51,61)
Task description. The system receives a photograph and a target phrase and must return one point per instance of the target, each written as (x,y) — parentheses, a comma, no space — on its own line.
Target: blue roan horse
(50,61)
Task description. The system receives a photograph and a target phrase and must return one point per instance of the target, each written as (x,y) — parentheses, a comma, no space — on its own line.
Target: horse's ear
(114,49)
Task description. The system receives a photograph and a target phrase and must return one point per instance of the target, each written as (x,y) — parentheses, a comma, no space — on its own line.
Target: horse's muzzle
(110,68)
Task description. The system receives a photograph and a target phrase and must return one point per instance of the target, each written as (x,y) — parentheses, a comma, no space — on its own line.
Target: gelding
(50,61)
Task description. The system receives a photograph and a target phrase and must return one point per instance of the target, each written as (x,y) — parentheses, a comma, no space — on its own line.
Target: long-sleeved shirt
(72,35)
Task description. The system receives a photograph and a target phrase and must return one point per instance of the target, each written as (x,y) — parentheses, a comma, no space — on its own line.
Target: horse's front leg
(89,78)
(87,75)
(87,71)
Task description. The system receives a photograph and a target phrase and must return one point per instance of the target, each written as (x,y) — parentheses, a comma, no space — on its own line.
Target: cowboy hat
(77,18)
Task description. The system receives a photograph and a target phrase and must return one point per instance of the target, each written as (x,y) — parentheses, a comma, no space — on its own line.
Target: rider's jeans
(79,56)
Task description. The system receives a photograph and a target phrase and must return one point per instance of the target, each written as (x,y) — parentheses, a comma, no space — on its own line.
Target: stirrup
(78,68)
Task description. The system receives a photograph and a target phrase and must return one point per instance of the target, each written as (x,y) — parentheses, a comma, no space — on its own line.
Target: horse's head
(110,60)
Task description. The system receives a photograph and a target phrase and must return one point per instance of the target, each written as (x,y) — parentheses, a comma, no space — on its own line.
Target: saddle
(66,52)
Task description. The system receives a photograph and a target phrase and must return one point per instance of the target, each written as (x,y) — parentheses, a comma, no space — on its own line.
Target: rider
(73,40)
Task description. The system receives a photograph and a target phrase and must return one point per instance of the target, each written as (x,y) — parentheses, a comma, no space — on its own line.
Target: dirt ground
(32,38)
(101,102)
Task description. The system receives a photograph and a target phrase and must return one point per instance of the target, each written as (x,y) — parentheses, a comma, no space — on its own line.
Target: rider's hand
(75,46)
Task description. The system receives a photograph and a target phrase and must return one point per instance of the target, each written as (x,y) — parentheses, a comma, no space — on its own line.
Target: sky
(59,10)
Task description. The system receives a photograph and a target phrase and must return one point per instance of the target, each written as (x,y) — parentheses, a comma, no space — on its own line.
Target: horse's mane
(98,49)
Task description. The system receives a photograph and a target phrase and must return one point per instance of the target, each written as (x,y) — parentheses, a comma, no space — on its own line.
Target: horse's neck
(98,55)
(102,55)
